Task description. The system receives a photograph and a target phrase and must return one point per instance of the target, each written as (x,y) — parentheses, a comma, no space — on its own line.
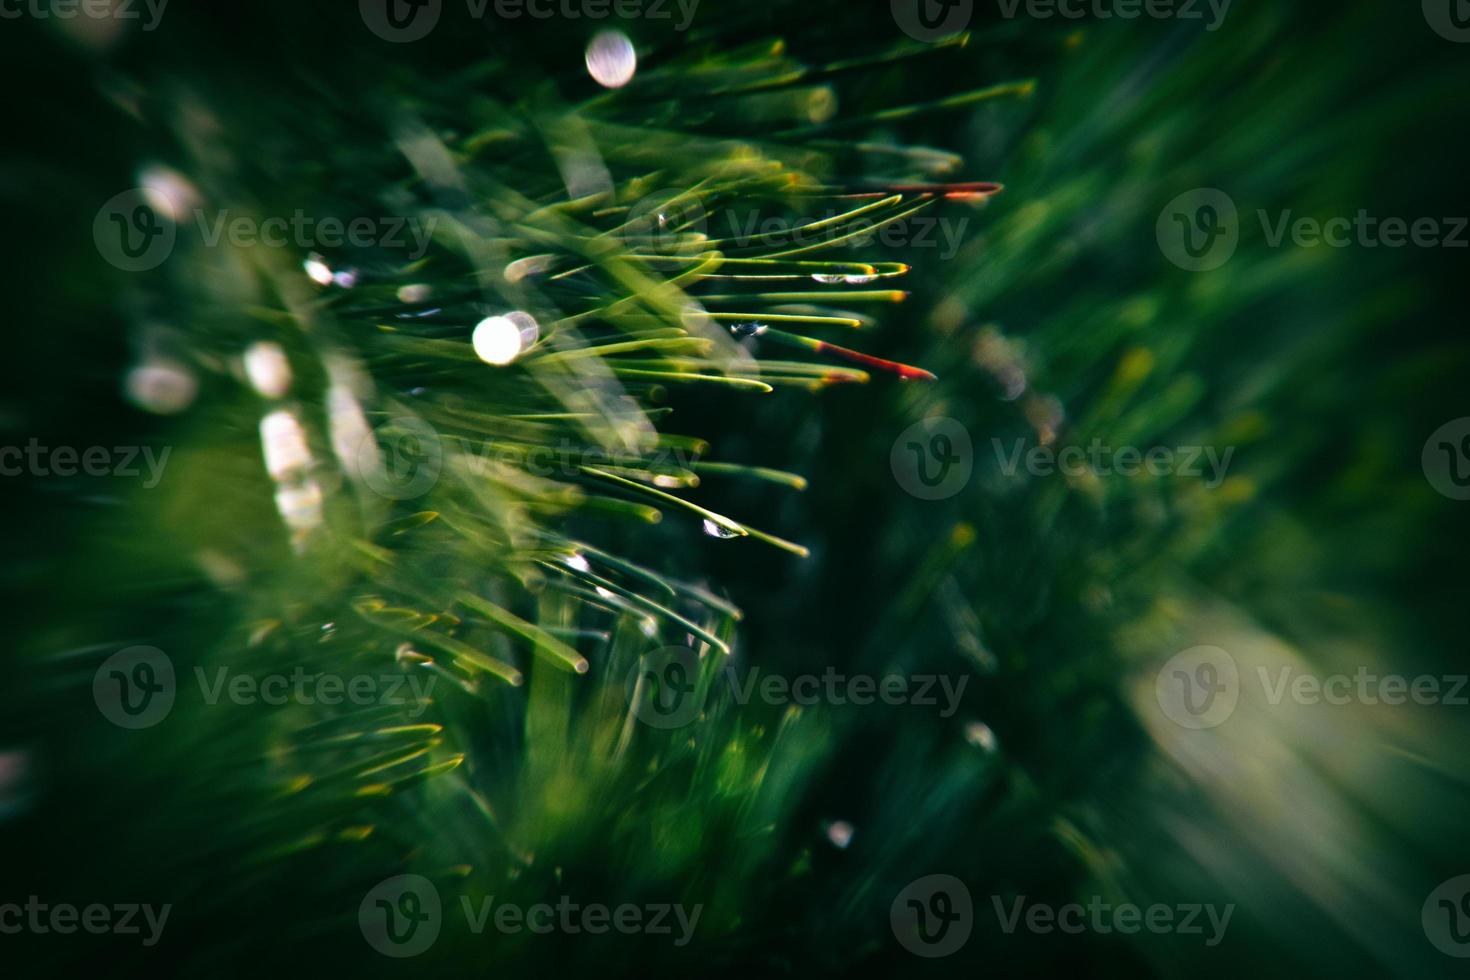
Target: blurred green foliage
(1325,370)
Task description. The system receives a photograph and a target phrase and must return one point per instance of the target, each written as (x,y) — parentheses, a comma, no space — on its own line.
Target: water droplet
(161,386)
(747,329)
(345,279)
(283,442)
(300,505)
(858,280)
(414,292)
(529,265)
(611,60)
(821,105)
(826,279)
(501,339)
(407,656)
(352,439)
(168,192)
(716,530)
(840,832)
(268,369)
(579,562)
(317,269)
(980,735)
